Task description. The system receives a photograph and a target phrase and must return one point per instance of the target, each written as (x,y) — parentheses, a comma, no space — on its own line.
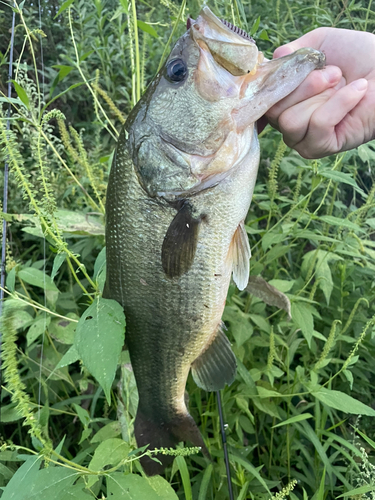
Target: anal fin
(216,366)
(239,253)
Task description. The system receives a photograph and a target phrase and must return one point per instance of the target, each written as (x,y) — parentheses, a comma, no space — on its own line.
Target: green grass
(291,428)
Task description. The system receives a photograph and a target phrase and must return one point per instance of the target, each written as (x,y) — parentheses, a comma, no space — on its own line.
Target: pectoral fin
(216,366)
(239,254)
(180,243)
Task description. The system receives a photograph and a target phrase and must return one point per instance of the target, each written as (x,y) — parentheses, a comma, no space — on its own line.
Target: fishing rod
(5,191)
(224,441)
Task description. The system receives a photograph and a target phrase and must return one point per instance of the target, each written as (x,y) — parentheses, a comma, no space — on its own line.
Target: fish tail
(159,433)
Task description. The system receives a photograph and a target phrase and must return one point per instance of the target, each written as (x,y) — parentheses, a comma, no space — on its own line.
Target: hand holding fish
(333,109)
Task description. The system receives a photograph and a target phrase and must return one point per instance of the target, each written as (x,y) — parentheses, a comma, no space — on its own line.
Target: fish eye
(176,70)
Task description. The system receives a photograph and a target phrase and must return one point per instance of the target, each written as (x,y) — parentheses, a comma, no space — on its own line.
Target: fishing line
(5,191)
(44,238)
(224,441)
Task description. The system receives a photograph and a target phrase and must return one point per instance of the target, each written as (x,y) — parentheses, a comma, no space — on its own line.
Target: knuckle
(290,123)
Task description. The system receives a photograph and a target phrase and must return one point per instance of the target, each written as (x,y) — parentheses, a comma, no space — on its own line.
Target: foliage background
(301,410)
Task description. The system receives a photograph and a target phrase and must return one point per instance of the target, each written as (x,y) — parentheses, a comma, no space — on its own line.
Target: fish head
(196,120)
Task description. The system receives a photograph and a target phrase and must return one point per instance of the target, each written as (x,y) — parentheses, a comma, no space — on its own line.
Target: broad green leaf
(5,472)
(22,479)
(282,285)
(37,278)
(85,55)
(14,304)
(130,487)
(111,430)
(266,393)
(71,356)
(272,238)
(12,100)
(100,262)
(267,406)
(63,70)
(303,318)
(70,221)
(292,420)
(21,93)
(51,483)
(322,269)
(340,177)
(75,492)
(64,6)
(110,452)
(9,413)
(99,339)
(147,28)
(264,35)
(83,415)
(261,322)
(11,279)
(243,404)
(22,319)
(239,324)
(162,488)
(37,328)
(63,330)
(341,401)
(336,221)
(366,152)
(244,373)
(57,263)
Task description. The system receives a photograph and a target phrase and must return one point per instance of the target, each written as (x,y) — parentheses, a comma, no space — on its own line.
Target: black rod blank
(225,448)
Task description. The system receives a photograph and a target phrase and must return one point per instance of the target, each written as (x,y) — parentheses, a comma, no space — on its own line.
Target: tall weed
(302,383)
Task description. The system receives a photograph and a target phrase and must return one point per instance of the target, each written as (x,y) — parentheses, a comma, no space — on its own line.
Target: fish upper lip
(238,30)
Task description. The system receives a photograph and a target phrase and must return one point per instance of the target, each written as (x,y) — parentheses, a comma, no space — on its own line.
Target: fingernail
(332,74)
(359,84)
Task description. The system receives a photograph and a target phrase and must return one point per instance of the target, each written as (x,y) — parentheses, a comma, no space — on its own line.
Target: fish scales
(179,190)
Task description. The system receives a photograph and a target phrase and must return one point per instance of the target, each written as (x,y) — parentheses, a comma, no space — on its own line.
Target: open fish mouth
(230,46)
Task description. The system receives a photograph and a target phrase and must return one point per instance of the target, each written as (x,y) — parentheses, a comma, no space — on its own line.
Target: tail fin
(165,434)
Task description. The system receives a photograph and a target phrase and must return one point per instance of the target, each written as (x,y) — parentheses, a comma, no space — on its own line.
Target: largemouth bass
(178,194)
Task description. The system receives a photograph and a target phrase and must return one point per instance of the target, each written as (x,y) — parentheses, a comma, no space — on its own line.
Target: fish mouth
(230,46)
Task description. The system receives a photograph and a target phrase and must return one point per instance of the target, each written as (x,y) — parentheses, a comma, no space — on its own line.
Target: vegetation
(299,415)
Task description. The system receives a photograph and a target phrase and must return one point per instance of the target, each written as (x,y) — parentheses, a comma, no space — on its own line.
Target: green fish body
(178,194)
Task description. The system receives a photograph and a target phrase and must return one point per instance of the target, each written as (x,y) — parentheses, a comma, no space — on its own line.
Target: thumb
(285,50)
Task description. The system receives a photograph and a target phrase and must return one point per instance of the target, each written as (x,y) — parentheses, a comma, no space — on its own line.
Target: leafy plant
(302,383)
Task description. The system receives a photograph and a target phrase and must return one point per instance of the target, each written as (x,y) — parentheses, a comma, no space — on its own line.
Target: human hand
(333,110)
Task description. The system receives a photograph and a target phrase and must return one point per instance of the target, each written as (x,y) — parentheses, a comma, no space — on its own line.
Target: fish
(179,190)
